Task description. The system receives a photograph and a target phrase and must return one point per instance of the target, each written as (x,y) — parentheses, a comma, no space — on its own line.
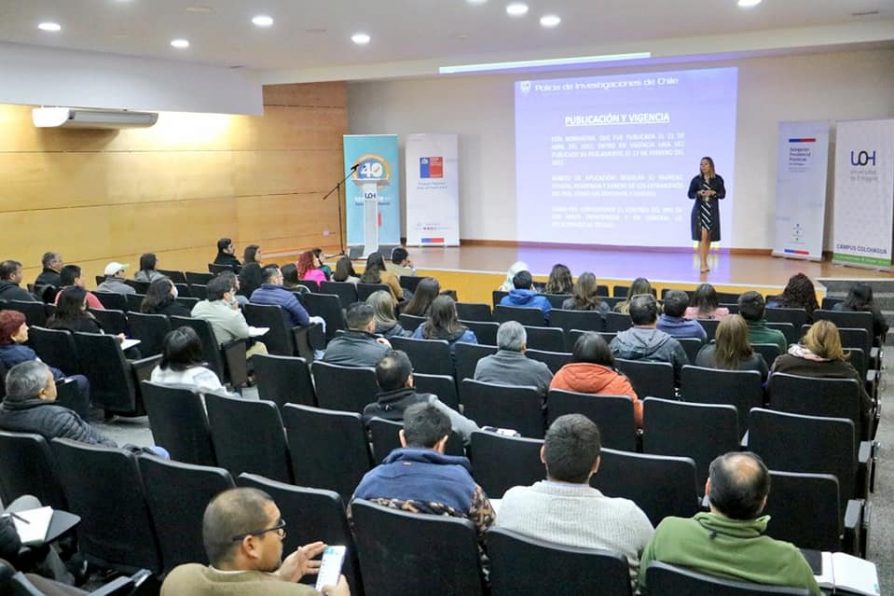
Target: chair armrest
(143,367)
(853,526)
(864,535)
(116,586)
(302,342)
(865,452)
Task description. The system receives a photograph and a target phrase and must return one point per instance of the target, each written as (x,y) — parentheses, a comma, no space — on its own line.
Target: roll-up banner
(432,189)
(372,192)
(802,163)
(863,221)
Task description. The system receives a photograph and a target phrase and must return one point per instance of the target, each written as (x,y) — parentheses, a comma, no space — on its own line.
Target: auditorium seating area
(296,433)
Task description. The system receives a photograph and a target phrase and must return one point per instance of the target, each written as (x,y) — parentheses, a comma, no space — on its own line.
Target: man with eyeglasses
(243,533)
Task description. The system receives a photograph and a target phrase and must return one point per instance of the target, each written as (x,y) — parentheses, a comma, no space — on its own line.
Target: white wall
(53,77)
(852,85)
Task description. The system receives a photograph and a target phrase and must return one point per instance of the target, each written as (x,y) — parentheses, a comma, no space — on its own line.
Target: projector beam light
(522,64)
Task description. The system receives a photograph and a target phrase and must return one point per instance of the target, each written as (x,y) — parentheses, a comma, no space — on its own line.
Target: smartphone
(330,568)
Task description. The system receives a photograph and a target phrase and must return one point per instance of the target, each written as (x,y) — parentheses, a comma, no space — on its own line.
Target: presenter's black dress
(706,214)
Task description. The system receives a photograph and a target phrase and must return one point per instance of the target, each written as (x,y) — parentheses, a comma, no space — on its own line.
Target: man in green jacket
(729,541)
(752,307)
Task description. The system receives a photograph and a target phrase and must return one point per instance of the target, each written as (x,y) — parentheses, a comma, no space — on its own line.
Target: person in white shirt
(564,509)
(182,366)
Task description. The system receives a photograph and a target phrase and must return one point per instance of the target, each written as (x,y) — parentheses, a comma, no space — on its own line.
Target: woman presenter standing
(706,188)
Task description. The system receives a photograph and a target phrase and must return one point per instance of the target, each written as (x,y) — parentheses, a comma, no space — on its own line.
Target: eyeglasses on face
(280,528)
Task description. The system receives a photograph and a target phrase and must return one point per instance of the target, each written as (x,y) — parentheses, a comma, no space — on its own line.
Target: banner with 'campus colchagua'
(863,220)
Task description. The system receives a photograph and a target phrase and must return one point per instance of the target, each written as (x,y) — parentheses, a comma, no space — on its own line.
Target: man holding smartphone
(243,533)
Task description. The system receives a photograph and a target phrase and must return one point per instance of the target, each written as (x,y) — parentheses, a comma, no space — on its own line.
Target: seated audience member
(730,541)
(71,276)
(752,308)
(243,532)
(10,278)
(643,341)
(344,271)
(161,299)
(419,478)
(13,335)
(29,407)
(237,297)
(510,366)
(309,267)
(673,321)
(114,281)
(442,323)
(182,364)
(250,279)
(394,373)
(357,346)
(252,254)
(584,296)
(524,295)
(147,272)
(226,255)
(326,269)
(273,293)
(376,273)
(820,355)
(400,263)
(52,264)
(559,281)
(222,311)
(705,304)
(383,314)
(72,314)
(42,561)
(639,287)
(592,370)
(564,509)
(420,304)
(290,279)
(798,293)
(859,299)
(731,350)
(514,269)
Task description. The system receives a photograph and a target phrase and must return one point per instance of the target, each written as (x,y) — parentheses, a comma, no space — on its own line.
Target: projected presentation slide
(608,160)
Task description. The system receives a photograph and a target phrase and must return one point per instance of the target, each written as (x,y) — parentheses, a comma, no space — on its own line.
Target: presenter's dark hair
(752,306)
(68,274)
(675,303)
(425,425)
(218,286)
(426,291)
(148,261)
(523,280)
(393,370)
(358,316)
(593,349)
(181,349)
(740,484)
(571,447)
(643,309)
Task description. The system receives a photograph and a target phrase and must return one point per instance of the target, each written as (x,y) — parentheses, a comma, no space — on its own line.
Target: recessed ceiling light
(180,44)
(517,9)
(476,1)
(262,20)
(361,39)
(748,3)
(550,20)
(50,26)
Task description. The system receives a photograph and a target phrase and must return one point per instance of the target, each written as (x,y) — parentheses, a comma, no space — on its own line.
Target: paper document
(257,331)
(129,343)
(846,572)
(33,525)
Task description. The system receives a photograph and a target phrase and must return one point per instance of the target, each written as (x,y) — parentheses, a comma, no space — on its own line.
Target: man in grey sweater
(644,341)
(510,366)
(564,508)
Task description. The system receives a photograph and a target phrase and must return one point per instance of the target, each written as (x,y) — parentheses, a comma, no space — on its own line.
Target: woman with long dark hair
(147,272)
(344,271)
(798,293)
(706,188)
(859,299)
(560,281)
(584,296)
(420,304)
(377,273)
(182,365)
(72,314)
(731,350)
(161,299)
(442,323)
(705,304)
(383,314)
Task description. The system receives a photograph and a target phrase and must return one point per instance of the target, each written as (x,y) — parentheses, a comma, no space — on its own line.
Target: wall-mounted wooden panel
(175,188)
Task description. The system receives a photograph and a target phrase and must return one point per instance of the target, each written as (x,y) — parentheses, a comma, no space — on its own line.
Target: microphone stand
(337,189)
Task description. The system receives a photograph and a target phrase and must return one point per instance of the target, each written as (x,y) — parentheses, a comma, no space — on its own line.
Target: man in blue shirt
(672,321)
(273,293)
(525,296)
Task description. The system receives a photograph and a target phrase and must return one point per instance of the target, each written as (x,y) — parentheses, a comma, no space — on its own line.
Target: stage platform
(474,271)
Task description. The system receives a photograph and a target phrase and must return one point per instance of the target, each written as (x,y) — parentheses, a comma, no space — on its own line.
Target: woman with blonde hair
(731,350)
(584,295)
(383,314)
(639,286)
(821,355)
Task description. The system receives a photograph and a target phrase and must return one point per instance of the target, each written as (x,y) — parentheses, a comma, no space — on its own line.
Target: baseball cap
(114,267)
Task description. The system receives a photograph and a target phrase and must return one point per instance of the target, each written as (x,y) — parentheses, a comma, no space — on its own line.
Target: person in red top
(592,370)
